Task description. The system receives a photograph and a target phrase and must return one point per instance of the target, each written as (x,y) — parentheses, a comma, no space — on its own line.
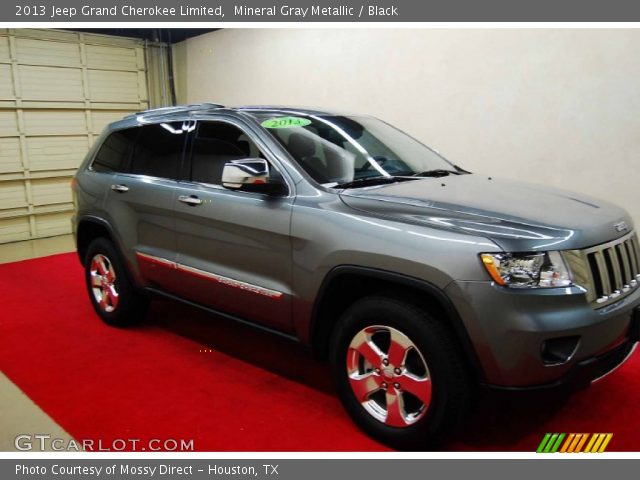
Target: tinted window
(338,149)
(114,152)
(158,150)
(214,145)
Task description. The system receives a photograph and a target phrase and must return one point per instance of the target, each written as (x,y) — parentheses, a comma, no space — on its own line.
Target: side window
(158,150)
(114,152)
(215,144)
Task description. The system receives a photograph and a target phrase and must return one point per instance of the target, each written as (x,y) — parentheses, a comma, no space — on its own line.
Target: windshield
(337,150)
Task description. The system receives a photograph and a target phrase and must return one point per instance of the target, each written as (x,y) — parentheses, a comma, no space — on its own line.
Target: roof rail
(176,109)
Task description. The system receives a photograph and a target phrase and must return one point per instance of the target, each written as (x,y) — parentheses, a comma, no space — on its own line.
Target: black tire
(452,387)
(130,306)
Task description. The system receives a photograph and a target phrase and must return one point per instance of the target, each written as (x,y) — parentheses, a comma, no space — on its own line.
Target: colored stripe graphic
(582,441)
(578,441)
(596,445)
(606,441)
(567,442)
(543,443)
(550,443)
(574,442)
(556,445)
(591,442)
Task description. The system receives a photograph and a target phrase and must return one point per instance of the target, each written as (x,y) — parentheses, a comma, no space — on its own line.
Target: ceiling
(169,35)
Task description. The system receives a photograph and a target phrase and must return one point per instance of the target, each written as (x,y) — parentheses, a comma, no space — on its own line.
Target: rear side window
(114,152)
(158,150)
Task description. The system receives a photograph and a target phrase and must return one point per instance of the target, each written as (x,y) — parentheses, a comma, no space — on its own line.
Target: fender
(433,291)
(98,221)
(131,269)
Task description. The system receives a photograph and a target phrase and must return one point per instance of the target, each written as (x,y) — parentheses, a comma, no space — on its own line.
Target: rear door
(234,246)
(141,200)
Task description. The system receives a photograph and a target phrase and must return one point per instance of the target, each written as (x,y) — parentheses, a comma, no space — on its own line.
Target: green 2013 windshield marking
(286,122)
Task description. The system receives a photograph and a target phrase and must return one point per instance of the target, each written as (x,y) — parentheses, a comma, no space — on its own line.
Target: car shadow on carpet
(500,420)
(506,421)
(262,349)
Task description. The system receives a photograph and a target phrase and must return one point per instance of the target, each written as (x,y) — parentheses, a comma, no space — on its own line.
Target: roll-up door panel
(58,90)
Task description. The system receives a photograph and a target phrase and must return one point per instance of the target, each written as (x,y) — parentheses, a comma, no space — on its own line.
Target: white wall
(560,106)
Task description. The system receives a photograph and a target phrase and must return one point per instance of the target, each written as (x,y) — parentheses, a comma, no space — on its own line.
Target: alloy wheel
(103,283)
(389,376)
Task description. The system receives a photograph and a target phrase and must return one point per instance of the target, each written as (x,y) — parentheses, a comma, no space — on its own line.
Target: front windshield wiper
(365,182)
(437,172)
(461,170)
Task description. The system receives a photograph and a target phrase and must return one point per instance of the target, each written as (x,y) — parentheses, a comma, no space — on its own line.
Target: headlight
(527,270)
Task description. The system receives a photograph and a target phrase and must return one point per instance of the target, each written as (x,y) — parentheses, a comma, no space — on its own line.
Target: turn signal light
(492,268)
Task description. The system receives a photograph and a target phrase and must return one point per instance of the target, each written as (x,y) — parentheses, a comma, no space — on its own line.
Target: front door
(234,249)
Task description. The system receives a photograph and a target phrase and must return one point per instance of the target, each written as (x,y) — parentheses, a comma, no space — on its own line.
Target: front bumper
(508,328)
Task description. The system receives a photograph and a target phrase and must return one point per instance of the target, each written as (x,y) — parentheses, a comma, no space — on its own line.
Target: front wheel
(112,294)
(399,372)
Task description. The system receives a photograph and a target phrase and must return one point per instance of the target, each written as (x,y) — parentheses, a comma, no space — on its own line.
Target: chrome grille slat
(614,269)
(626,263)
(635,267)
(636,254)
(615,265)
(607,285)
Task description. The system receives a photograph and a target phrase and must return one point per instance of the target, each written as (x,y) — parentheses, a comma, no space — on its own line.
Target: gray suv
(419,280)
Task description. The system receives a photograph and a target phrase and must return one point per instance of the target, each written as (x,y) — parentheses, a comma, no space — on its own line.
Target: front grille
(607,271)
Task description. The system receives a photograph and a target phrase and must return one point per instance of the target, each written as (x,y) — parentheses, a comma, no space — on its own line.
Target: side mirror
(250,174)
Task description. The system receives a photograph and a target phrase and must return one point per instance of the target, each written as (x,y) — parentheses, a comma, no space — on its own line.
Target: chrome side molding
(231,282)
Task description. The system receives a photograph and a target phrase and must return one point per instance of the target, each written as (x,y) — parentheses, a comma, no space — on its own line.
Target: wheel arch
(345,284)
(90,228)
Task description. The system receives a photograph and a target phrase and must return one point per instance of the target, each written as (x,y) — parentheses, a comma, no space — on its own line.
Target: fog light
(557,351)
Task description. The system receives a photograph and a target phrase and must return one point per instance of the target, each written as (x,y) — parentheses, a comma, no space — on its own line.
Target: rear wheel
(400,372)
(112,294)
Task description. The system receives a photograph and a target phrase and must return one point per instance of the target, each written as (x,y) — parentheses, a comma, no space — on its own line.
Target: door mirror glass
(246,172)
(253,175)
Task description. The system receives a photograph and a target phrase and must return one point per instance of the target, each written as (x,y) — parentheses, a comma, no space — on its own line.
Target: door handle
(190,200)
(120,188)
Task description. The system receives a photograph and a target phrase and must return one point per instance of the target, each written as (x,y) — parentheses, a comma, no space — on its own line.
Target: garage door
(57,91)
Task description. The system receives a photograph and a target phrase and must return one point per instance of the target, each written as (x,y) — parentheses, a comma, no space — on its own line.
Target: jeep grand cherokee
(418,279)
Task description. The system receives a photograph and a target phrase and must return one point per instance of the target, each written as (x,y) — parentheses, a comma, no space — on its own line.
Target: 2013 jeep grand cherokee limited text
(417,279)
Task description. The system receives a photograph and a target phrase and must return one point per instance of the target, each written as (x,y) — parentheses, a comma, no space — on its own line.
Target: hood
(517,216)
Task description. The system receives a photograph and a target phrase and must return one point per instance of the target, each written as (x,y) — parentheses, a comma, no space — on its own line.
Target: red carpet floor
(252,392)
